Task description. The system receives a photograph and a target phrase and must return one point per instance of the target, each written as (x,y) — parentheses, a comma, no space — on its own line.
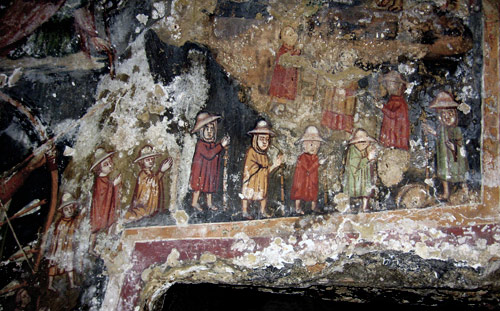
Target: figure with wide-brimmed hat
(148,198)
(452,165)
(360,174)
(257,168)
(61,254)
(305,184)
(395,129)
(206,159)
(105,193)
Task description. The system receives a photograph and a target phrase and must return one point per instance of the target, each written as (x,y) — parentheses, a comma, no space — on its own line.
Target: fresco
(266,111)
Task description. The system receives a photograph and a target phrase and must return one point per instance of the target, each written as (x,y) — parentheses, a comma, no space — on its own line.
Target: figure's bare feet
(247,216)
(198,207)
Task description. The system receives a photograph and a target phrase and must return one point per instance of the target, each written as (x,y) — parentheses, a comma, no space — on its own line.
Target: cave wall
(141,132)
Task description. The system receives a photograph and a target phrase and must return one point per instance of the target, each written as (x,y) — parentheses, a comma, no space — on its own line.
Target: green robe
(452,166)
(358,173)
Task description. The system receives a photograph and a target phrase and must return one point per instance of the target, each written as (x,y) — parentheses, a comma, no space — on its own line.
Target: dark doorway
(210,297)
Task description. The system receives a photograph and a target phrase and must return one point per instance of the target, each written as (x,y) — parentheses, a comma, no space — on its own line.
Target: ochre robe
(61,253)
(105,200)
(395,130)
(305,178)
(205,167)
(284,80)
(148,195)
(255,175)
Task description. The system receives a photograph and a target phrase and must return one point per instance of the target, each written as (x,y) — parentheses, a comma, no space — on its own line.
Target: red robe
(105,201)
(395,130)
(284,80)
(305,179)
(205,167)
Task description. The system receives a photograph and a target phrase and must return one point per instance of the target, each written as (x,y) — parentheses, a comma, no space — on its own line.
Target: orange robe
(395,130)
(305,179)
(148,195)
(255,175)
(61,253)
(105,200)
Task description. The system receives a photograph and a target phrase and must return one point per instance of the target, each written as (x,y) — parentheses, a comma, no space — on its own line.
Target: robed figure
(360,167)
(284,79)
(62,250)
(305,184)
(257,168)
(205,169)
(105,192)
(395,130)
(148,197)
(452,165)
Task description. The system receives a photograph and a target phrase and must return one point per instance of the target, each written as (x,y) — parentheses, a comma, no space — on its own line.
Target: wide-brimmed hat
(361,136)
(67,199)
(393,76)
(262,127)
(443,100)
(99,156)
(202,119)
(146,152)
(311,134)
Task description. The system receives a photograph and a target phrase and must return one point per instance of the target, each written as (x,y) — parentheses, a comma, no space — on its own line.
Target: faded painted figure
(105,193)
(360,166)
(257,168)
(61,255)
(305,179)
(395,130)
(284,81)
(148,198)
(452,164)
(207,159)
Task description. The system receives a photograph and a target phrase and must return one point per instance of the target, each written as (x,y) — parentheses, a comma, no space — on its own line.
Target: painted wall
(320,143)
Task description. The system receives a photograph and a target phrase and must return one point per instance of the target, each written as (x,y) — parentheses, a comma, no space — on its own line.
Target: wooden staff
(224,178)
(15,237)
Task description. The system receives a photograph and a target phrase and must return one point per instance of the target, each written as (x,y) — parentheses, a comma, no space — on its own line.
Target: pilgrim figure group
(359,172)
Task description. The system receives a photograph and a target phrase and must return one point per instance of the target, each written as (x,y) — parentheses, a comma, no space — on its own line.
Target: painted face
(362,145)
(311,146)
(23,298)
(68,210)
(263,142)
(148,162)
(289,36)
(449,117)
(393,87)
(208,132)
(106,167)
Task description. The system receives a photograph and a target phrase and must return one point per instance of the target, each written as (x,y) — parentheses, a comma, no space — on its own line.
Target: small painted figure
(61,254)
(284,80)
(395,130)
(105,193)
(452,164)
(360,166)
(257,168)
(207,159)
(305,179)
(148,198)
